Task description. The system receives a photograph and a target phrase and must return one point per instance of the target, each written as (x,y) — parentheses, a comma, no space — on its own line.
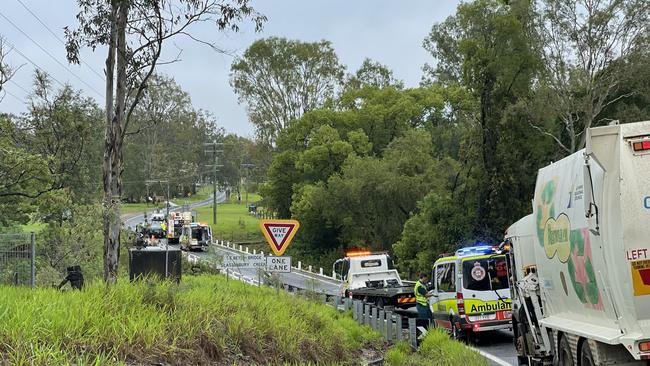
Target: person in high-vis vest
(422,297)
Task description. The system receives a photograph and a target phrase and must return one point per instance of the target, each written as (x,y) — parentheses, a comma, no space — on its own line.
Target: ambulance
(471,292)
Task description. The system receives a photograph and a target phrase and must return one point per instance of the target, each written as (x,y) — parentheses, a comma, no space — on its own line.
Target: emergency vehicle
(470,291)
(196,236)
(372,277)
(581,261)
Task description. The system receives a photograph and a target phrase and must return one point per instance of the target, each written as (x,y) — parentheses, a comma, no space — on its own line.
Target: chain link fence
(17,259)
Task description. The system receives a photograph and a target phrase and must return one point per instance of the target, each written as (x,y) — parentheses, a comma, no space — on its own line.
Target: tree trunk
(109,214)
(114,161)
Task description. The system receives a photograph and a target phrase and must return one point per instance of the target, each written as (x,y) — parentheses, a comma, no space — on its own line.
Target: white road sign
(243,261)
(278,264)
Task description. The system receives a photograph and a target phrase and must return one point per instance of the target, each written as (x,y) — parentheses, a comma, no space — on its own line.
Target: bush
(437,349)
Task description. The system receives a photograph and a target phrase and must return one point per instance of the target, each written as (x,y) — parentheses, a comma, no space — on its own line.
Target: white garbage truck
(580,263)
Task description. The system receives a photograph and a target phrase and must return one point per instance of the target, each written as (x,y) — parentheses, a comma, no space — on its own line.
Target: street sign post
(278,264)
(279,233)
(247,261)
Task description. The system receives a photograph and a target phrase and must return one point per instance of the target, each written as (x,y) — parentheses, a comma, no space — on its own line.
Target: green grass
(138,208)
(202,194)
(437,349)
(234,223)
(204,320)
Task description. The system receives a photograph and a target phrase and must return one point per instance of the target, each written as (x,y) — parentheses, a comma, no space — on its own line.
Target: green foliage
(165,141)
(204,320)
(373,74)
(73,238)
(280,79)
(437,349)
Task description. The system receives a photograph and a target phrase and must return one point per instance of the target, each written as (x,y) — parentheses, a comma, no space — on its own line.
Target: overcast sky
(390,32)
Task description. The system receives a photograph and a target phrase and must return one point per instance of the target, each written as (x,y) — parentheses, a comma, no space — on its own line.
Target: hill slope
(204,320)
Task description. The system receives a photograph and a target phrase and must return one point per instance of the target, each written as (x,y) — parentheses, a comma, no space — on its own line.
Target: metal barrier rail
(320,275)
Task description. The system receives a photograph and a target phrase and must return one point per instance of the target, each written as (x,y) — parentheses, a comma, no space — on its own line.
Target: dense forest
(358,158)
(511,86)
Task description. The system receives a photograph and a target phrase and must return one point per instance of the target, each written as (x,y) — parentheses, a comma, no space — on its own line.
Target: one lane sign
(278,264)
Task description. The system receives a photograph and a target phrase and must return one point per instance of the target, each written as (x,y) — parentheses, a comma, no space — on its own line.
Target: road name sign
(278,264)
(243,261)
(279,233)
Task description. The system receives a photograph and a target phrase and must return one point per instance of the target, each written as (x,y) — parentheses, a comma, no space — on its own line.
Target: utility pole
(167,218)
(215,165)
(247,166)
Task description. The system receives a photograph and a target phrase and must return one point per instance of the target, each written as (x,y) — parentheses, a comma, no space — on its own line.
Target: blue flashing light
(475,250)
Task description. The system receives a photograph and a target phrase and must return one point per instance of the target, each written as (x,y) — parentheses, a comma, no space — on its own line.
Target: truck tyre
(586,358)
(565,357)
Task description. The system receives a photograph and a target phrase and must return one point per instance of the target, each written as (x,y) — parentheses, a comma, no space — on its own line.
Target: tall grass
(437,349)
(204,320)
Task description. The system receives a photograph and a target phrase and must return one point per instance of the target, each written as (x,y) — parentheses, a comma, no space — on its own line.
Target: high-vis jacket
(419,298)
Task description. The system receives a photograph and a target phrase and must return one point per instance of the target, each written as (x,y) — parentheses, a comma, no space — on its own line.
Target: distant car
(157,217)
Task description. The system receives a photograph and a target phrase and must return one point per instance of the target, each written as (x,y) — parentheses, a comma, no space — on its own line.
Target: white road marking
(492,357)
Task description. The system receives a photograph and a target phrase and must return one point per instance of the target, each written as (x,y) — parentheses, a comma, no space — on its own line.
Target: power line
(12,94)
(19,86)
(13,48)
(49,54)
(57,37)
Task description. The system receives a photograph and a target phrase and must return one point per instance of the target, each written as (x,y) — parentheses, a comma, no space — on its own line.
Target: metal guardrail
(320,275)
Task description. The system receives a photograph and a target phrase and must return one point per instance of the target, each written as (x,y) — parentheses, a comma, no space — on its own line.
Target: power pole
(166,218)
(216,166)
(247,166)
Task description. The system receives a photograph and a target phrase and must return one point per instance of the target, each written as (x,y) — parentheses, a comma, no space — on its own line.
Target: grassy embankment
(204,320)
(437,349)
(234,223)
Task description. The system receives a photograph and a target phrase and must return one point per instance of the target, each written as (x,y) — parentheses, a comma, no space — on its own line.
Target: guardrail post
(333,275)
(347,302)
(413,333)
(309,268)
(389,326)
(262,253)
(337,302)
(246,250)
(321,271)
(254,251)
(375,319)
(381,325)
(299,265)
(354,310)
(398,327)
(240,249)
(366,313)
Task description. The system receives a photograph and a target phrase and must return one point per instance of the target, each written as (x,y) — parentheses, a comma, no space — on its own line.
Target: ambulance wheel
(586,358)
(565,352)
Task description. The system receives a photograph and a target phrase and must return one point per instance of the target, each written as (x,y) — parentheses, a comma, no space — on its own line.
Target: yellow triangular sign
(279,233)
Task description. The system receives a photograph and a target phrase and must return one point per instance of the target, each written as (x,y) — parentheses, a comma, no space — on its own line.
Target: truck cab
(373,278)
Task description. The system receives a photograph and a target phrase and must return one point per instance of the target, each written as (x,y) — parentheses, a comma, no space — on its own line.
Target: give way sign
(278,233)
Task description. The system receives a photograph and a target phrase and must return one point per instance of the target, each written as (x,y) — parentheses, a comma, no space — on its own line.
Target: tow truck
(372,277)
